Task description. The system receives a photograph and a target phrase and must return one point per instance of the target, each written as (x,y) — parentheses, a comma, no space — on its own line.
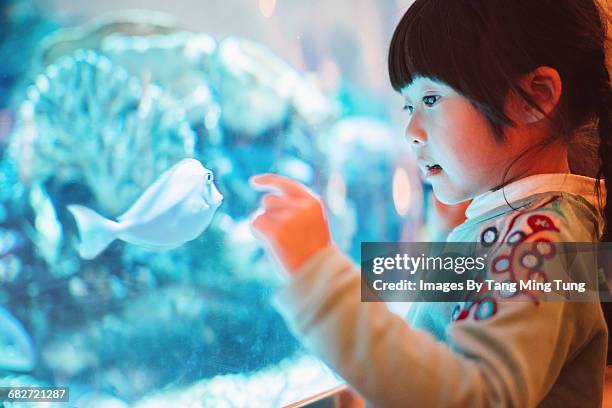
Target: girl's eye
(431,100)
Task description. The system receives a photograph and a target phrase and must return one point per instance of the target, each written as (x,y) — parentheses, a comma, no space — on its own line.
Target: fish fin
(194,203)
(96,231)
(159,195)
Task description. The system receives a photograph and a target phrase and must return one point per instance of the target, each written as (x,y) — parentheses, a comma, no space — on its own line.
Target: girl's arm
(512,358)
(517,356)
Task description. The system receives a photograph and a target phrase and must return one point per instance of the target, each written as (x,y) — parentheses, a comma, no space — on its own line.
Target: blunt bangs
(456,43)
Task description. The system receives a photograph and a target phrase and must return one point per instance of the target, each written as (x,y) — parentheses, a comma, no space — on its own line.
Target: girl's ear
(544,86)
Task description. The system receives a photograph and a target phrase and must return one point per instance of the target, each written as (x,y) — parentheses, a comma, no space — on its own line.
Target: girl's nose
(417,139)
(415,134)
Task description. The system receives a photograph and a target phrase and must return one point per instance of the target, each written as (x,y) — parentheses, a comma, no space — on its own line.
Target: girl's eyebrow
(419,86)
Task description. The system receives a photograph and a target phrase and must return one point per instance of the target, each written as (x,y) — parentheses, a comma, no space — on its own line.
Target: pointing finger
(284,184)
(273,201)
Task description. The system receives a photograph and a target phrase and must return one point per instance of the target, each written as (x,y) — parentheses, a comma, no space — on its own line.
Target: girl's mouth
(432,170)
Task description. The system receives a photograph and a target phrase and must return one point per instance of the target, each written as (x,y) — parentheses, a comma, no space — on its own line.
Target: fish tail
(96,231)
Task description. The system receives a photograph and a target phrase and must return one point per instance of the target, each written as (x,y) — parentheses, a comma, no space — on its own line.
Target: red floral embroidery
(523,262)
(540,222)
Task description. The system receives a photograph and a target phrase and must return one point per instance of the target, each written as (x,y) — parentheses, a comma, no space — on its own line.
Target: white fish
(175,209)
(16,348)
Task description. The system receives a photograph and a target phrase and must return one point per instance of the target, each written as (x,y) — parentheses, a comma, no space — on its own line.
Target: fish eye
(209,177)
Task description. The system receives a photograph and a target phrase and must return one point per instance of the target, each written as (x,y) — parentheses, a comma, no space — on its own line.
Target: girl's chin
(447,196)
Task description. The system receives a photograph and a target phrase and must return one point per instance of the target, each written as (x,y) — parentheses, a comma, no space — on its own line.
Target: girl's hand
(292,223)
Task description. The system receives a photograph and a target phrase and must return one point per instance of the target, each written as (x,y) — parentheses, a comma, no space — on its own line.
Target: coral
(258,90)
(185,81)
(86,120)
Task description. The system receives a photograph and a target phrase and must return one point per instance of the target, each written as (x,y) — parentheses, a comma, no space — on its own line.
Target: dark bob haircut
(482,47)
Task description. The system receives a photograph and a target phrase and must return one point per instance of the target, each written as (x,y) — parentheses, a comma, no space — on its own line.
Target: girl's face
(455,148)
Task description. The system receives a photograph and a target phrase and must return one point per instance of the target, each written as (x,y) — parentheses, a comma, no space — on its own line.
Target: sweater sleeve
(485,362)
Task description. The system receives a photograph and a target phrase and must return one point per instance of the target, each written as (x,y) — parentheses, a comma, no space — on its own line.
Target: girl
(498,94)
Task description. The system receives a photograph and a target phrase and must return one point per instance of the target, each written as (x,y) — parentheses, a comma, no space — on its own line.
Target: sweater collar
(528,186)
